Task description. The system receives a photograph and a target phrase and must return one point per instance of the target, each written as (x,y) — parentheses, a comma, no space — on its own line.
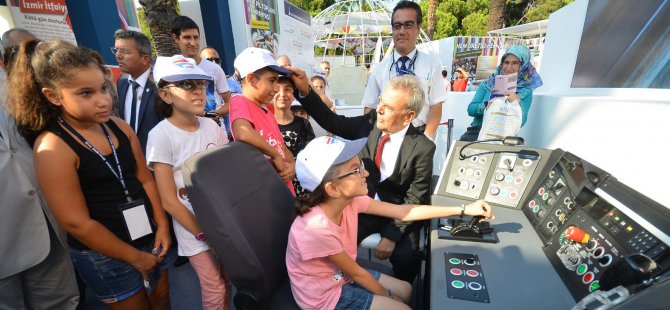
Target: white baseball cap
(253,58)
(320,154)
(178,68)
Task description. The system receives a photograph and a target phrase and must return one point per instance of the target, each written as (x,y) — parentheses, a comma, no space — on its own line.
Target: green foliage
(543,8)
(144,26)
(313,7)
(475,24)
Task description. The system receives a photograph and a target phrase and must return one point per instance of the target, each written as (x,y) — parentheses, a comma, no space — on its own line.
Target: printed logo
(183,63)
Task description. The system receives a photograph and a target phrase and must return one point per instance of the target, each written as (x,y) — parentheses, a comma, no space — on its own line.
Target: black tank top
(102,190)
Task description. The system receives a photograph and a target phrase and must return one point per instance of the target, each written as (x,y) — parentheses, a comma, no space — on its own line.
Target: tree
(496,14)
(432,7)
(159,15)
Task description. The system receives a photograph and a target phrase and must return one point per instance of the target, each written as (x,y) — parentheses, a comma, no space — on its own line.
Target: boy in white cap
(182,89)
(321,253)
(251,122)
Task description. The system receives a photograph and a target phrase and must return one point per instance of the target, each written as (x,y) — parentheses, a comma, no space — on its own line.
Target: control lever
(467,229)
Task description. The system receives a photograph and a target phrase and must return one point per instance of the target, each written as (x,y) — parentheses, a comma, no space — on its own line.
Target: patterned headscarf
(527,76)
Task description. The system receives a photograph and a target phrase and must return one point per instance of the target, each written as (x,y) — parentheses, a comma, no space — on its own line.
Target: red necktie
(380,149)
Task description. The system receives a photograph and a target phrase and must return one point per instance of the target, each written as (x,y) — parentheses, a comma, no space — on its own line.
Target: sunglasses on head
(214,60)
(189,84)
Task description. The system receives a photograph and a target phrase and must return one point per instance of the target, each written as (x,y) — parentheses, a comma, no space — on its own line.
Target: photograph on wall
(262,18)
(47,20)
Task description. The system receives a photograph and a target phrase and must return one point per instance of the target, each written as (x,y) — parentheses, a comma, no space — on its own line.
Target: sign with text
(46,19)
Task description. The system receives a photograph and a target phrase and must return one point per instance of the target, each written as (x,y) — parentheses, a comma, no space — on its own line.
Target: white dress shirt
(390,155)
(426,67)
(142,81)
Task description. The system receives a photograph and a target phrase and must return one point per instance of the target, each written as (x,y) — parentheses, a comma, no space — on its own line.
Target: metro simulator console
(566,235)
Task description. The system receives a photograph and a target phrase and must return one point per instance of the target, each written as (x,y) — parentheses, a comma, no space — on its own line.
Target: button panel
(465,279)
(510,178)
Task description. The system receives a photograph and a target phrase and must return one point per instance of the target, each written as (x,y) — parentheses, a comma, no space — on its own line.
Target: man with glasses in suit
(408,60)
(137,92)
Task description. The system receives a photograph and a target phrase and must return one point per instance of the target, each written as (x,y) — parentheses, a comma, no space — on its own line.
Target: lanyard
(410,67)
(119,175)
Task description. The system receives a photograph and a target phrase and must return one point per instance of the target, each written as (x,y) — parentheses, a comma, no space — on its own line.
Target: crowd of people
(96,166)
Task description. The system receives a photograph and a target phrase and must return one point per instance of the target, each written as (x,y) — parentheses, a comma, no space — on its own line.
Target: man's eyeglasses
(407,25)
(189,84)
(123,51)
(360,170)
(214,60)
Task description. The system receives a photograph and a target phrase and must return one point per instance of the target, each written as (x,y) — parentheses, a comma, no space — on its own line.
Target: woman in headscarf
(515,60)
(461,82)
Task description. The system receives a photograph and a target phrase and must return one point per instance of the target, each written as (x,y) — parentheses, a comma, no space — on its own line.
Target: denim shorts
(112,280)
(355,296)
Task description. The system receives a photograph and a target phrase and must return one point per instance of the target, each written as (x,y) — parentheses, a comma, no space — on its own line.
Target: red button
(456,271)
(518,180)
(531,203)
(587,277)
(512,195)
(472,273)
(541,191)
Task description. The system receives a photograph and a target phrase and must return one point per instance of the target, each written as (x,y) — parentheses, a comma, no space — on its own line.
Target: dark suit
(409,183)
(149,114)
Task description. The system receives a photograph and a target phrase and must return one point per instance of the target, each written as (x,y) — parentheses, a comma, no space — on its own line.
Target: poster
(46,19)
(296,36)
(262,18)
(477,55)
(127,15)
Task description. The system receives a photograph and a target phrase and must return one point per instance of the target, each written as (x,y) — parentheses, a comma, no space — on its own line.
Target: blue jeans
(112,280)
(355,296)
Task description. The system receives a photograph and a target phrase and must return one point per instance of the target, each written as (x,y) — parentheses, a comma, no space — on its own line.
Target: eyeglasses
(407,25)
(360,170)
(189,84)
(214,60)
(123,51)
(511,63)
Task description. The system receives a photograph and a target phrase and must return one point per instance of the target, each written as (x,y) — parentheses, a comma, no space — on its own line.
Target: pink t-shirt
(315,281)
(263,121)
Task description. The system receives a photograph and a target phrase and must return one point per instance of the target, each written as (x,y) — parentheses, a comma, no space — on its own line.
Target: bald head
(15,36)
(283,61)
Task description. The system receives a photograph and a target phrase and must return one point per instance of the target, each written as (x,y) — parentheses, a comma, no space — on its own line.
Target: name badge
(136,218)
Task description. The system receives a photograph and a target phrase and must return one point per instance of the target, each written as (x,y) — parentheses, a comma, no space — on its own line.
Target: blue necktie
(403,67)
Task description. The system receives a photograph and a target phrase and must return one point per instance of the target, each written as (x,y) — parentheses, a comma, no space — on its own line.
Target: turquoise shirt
(478,104)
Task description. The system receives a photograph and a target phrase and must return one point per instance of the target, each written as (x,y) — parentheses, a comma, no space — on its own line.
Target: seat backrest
(246,210)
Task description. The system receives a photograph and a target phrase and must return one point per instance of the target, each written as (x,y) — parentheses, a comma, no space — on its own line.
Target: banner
(263,21)
(476,55)
(46,19)
(128,15)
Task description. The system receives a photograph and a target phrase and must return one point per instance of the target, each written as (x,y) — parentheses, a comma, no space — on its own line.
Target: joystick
(467,229)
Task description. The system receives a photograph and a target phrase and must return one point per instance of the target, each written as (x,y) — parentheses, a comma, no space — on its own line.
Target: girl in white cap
(321,253)
(182,90)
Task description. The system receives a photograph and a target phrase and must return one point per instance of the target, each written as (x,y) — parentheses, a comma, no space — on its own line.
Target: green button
(457,284)
(581,269)
(545,196)
(616,218)
(594,286)
(455,261)
(536,208)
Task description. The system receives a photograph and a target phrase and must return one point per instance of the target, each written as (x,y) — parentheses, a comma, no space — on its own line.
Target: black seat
(246,211)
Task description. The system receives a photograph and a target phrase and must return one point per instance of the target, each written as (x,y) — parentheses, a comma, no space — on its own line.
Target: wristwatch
(201,236)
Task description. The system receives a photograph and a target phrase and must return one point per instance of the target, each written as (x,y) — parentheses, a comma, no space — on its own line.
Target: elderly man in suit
(398,156)
(137,92)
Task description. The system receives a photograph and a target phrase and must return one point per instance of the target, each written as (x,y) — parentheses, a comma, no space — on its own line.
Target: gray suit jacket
(24,234)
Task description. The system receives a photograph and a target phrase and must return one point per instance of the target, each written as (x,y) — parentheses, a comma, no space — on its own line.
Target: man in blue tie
(408,60)
(137,92)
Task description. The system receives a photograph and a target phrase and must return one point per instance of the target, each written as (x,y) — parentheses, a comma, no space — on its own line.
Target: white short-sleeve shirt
(426,67)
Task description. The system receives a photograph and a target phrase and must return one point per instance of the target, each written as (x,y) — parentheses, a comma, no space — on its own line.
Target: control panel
(465,279)
(552,202)
(595,237)
(499,174)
